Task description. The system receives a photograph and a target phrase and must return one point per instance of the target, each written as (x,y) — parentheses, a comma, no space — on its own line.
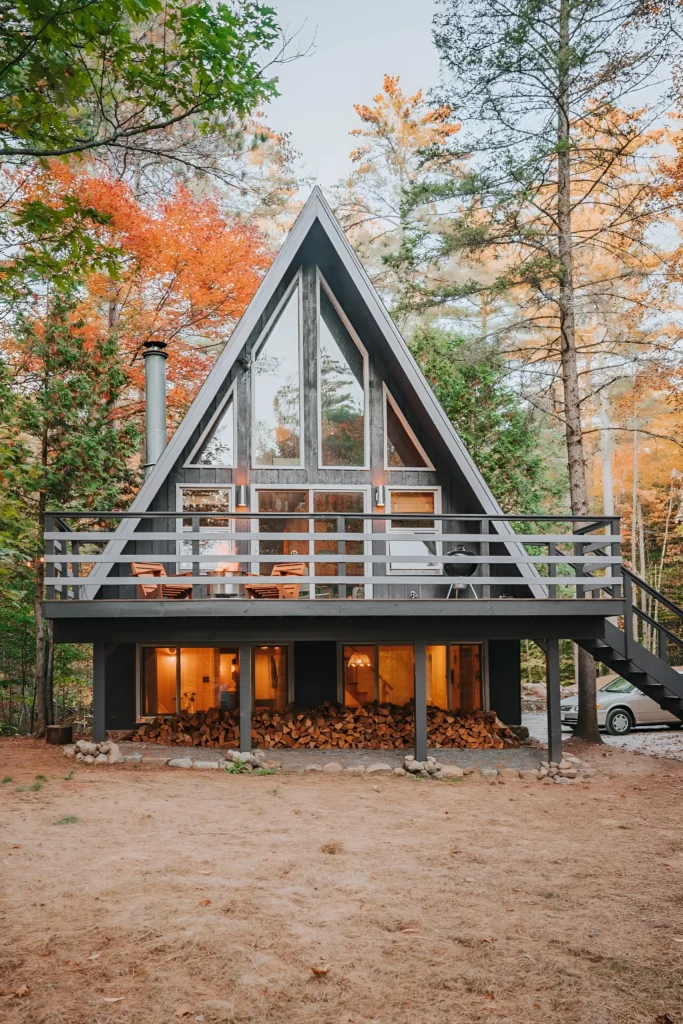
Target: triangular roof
(316,209)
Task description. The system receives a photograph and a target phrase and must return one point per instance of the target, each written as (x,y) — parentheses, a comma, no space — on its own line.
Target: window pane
(402,451)
(281,502)
(199,678)
(158,680)
(342,391)
(437,676)
(219,446)
(466,677)
(228,679)
(413,501)
(206,499)
(277,397)
(339,504)
(359,675)
(396,674)
(270,678)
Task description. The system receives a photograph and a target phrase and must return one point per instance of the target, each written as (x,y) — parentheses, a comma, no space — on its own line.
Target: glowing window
(342,391)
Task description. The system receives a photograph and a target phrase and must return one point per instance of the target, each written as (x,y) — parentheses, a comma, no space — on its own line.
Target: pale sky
(356,43)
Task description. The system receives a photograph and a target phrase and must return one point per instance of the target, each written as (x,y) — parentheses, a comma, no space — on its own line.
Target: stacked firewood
(372,726)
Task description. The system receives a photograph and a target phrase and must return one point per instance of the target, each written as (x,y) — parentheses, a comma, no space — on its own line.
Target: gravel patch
(656,740)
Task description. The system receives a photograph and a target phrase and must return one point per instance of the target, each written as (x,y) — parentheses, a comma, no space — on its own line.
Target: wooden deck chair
(279,591)
(168,591)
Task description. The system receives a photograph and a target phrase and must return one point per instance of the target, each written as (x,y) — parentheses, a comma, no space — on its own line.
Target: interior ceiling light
(359,660)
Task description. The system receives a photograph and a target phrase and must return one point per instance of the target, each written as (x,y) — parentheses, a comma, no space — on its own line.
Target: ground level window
(188,679)
(384,672)
(454,676)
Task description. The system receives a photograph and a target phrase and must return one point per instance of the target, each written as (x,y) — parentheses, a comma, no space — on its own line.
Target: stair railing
(663,634)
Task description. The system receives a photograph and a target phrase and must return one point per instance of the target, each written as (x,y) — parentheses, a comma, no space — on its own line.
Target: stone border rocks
(94,753)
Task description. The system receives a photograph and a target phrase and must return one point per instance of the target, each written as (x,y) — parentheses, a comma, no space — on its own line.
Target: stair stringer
(645,670)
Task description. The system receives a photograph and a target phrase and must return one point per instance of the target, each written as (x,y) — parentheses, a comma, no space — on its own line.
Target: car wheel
(674,725)
(619,721)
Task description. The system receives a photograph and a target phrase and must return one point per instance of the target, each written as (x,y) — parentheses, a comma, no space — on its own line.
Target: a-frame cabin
(337,540)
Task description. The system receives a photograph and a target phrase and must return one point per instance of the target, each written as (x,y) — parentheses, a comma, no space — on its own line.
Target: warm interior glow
(437,675)
(359,675)
(270,678)
(396,673)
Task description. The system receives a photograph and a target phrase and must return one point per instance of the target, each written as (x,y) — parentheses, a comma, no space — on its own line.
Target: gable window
(403,450)
(342,369)
(216,447)
(277,389)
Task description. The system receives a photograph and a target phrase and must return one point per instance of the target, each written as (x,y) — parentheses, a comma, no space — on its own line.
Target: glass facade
(219,447)
(277,391)
(401,450)
(342,391)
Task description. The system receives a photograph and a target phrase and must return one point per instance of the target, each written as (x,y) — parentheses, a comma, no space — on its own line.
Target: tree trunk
(42,715)
(587,725)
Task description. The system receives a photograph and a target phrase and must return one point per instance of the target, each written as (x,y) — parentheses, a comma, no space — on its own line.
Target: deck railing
(359,555)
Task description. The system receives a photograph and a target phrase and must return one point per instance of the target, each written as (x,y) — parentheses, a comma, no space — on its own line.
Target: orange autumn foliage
(187,275)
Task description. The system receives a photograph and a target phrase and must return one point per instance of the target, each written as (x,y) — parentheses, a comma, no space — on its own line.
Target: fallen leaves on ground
(23,990)
(320,969)
(183,1011)
(204,903)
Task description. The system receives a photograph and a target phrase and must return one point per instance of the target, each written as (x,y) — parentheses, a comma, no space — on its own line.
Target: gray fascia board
(316,207)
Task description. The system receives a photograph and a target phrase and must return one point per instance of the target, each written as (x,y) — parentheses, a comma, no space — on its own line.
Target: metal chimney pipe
(155,358)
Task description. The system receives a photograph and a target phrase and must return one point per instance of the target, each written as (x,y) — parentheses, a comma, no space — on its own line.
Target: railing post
(552,569)
(50,567)
(420,700)
(245,696)
(662,646)
(341,549)
(484,548)
(628,616)
(553,697)
(615,569)
(578,568)
(196,589)
(75,569)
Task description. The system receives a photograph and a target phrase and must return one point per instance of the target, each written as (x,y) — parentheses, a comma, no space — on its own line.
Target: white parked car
(621,707)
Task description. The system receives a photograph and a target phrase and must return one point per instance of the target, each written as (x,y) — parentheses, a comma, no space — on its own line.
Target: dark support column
(553,701)
(420,701)
(98,729)
(245,696)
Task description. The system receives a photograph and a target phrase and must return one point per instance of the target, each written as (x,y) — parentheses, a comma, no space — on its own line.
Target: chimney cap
(155,348)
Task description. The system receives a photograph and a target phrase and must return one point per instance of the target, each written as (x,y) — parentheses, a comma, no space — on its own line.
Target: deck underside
(121,621)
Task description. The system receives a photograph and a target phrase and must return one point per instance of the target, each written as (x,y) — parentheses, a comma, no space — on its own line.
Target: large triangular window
(277,389)
(342,372)
(403,450)
(216,447)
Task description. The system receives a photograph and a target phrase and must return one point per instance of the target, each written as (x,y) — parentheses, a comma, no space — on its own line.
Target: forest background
(143,196)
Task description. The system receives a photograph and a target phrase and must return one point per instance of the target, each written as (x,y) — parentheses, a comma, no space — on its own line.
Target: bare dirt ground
(165,892)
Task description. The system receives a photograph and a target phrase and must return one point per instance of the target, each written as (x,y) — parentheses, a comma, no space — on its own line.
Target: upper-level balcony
(227,561)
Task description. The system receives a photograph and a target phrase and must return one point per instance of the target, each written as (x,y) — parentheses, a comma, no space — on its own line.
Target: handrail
(455,516)
(658,625)
(652,592)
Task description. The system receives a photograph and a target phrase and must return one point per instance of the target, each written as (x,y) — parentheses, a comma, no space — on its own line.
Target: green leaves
(81,74)
(499,432)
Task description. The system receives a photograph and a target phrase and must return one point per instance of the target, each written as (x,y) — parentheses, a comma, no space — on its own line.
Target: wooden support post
(245,696)
(553,701)
(99,732)
(420,701)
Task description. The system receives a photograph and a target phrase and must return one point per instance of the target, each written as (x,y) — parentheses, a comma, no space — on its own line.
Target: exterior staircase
(623,653)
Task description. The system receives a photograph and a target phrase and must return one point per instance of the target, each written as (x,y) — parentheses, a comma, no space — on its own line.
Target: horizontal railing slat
(450,538)
(335,556)
(393,580)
